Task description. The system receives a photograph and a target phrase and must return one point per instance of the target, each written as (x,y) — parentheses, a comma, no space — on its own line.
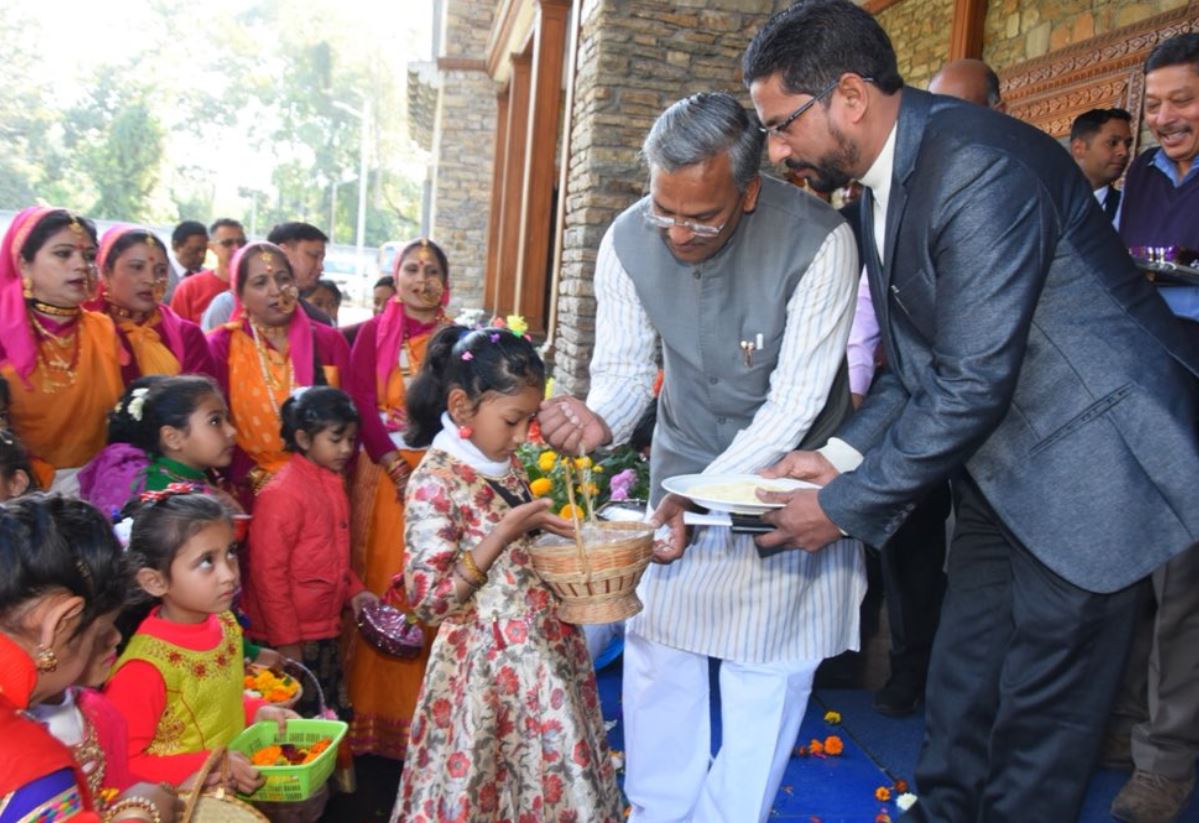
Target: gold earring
(45,659)
(27,287)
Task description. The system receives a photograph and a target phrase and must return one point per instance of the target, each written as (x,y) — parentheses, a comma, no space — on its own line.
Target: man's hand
(813,467)
(670,513)
(570,427)
(801,523)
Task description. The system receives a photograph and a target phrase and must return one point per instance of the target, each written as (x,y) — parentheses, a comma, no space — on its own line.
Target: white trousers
(670,777)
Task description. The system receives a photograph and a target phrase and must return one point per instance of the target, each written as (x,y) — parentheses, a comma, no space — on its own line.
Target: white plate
(693,487)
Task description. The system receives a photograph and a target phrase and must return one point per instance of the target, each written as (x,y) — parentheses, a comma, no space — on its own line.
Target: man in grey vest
(749,283)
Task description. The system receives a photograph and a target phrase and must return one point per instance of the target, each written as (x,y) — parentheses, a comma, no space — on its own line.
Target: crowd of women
(158,444)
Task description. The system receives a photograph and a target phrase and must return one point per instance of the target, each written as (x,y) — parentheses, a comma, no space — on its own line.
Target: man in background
(1101,143)
(194,293)
(970,80)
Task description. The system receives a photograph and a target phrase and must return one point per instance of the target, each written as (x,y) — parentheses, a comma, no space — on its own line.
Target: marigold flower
(541,486)
(583,462)
(816,747)
(547,460)
(882,794)
(832,718)
(901,786)
(833,746)
(571,512)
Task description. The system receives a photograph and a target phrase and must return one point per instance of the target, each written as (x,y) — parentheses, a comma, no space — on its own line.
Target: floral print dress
(508,725)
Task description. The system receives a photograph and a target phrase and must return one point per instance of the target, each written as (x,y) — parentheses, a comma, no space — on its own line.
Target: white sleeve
(218,312)
(819,315)
(622,364)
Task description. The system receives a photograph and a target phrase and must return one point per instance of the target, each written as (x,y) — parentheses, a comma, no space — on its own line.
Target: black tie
(1112,203)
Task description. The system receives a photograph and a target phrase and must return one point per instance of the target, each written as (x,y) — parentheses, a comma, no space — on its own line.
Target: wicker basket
(217,804)
(595,577)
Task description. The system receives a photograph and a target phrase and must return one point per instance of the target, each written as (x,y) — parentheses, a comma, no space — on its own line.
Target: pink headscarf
(394,325)
(169,321)
(299,331)
(20,346)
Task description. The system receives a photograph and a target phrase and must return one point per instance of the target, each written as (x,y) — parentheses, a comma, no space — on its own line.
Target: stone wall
(1018,30)
(919,31)
(463,149)
(636,57)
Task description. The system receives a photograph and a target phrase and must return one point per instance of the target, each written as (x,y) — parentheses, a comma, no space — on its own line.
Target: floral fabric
(508,725)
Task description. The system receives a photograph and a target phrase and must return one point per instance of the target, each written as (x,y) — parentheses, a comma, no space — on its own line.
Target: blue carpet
(878,752)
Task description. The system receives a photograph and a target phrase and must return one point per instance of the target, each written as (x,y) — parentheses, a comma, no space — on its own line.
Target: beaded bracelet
(136,802)
(472,568)
(460,573)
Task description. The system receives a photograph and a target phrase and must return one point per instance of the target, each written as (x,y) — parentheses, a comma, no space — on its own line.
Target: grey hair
(700,127)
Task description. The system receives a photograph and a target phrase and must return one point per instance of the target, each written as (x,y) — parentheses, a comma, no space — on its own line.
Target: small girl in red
(300,578)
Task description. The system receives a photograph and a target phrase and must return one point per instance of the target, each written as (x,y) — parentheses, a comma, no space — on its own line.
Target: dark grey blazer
(1025,346)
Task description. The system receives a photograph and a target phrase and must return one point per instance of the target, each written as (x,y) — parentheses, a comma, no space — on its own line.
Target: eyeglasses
(660,221)
(779,129)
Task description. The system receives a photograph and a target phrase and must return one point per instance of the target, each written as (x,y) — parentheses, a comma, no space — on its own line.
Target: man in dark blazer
(1033,366)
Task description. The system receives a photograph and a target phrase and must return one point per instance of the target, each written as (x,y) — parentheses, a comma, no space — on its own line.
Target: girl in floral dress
(507,725)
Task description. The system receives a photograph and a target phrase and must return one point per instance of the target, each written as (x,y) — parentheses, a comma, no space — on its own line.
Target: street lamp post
(365,116)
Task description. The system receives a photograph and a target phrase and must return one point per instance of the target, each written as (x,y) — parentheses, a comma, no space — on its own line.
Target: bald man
(970,80)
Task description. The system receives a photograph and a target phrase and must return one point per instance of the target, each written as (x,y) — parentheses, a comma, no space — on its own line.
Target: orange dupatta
(254,415)
(66,428)
(152,354)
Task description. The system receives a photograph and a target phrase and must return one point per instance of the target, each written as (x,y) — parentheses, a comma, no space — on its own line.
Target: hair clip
(495,338)
(468,356)
(137,402)
(171,490)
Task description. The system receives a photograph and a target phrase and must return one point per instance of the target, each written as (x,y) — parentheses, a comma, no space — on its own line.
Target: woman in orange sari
(265,352)
(133,278)
(388,352)
(62,362)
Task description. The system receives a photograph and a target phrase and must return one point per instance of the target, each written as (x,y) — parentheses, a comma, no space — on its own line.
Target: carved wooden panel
(1103,72)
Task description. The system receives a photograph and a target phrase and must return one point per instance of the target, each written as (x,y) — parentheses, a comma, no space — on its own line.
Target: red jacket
(299,565)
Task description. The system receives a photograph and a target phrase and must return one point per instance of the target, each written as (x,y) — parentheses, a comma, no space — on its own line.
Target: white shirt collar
(449,441)
(878,177)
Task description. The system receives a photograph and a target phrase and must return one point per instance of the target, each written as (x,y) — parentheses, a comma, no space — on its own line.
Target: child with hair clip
(179,681)
(163,430)
(508,719)
(300,578)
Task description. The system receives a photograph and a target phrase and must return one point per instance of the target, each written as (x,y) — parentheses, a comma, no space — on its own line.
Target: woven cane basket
(219,804)
(595,576)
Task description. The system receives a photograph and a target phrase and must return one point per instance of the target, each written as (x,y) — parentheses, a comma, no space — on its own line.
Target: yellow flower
(570,512)
(597,468)
(832,718)
(547,460)
(541,486)
(582,462)
(590,488)
(516,324)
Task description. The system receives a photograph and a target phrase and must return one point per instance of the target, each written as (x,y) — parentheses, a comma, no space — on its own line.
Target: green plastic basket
(291,783)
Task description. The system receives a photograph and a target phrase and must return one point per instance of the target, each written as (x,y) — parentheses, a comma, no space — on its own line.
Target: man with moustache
(748,283)
(1161,208)
(1032,365)
(1101,142)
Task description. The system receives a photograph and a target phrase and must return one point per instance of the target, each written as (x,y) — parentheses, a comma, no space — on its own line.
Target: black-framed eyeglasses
(779,129)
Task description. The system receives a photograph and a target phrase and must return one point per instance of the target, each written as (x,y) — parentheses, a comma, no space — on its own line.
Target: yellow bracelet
(472,569)
(136,802)
(460,573)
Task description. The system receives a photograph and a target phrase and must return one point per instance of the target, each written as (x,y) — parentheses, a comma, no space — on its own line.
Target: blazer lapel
(913,113)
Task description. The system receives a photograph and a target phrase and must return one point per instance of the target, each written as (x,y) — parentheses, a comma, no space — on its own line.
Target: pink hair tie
(467,356)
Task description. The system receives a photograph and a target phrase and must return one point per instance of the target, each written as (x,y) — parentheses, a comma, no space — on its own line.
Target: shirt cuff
(844,457)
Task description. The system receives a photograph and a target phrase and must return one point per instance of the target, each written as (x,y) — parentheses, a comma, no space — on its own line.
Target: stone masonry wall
(919,31)
(464,148)
(1019,30)
(636,57)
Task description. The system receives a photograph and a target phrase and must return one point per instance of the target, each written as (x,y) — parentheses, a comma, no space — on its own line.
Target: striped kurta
(721,598)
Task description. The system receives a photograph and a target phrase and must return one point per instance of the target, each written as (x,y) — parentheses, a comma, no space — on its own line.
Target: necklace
(272,385)
(54,311)
(57,356)
(409,365)
(122,313)
(88,753)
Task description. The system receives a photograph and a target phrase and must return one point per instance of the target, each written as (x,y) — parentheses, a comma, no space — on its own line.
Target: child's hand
(361,600)
(531,516)
(243,777)
(275,714)
(270,659)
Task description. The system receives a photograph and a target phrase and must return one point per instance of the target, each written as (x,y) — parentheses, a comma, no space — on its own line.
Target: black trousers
(912,564)
(1024,671)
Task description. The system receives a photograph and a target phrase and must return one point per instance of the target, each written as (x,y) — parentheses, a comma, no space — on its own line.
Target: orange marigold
(901,786)
(266,756)
(833,745)
(882,794)
(816,747)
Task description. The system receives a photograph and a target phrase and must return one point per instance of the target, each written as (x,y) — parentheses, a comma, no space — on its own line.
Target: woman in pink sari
(266,351)
(133,278)
(62,362)
(387,353)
